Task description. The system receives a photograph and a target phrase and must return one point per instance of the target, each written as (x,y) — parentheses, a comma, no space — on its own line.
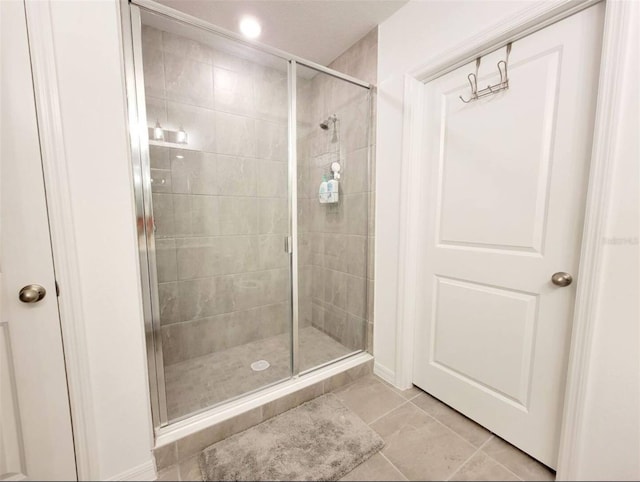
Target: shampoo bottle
(323,191)
(332,189)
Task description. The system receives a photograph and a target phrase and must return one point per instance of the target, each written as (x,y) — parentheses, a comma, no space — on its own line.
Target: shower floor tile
(205,381)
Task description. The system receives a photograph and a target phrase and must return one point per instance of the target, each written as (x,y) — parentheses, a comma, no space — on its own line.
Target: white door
(504,207)
(35,424)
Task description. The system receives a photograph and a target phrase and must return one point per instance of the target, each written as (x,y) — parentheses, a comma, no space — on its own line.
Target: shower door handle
(287,244)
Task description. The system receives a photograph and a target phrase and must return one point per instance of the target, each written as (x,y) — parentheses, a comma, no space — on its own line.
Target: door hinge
(57,288)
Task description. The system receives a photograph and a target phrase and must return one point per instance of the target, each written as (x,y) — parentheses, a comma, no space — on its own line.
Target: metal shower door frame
(140,163)
(137,123)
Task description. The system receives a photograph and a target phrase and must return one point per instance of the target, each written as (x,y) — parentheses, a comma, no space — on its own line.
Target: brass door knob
(561,279)
(32,293)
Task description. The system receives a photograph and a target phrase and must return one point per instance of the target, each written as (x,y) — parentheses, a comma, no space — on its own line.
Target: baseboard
(384,373)
(146,471)
(11,477)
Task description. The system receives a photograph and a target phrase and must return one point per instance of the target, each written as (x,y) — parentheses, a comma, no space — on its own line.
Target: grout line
(516,476)
(446,426)
(469,458)
(387,413)
(236,196)
(395,390)
(393,465)
(213,276)
(492,436)
(414,397)
(396,407)
(461,465)
(180,478)
(256,271)
(497,461)
(486,441)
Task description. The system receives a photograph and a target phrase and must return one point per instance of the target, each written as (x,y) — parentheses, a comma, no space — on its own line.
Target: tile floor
(205,381)
(424,440)
(427,440)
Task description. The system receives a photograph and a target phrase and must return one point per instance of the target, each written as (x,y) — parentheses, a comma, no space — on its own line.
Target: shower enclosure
(250,275)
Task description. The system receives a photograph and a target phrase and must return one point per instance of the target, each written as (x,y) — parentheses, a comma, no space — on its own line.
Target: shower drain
(258,366)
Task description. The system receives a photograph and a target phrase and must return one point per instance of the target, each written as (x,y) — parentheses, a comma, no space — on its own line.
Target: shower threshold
(206,381)
(331,375)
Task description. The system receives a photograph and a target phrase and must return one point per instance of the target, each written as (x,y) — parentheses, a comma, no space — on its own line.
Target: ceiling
(317,30)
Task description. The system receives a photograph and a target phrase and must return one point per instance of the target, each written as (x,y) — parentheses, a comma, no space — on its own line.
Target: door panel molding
(455,359)
(12,457)
(539,75)
(61,226)
(617,35)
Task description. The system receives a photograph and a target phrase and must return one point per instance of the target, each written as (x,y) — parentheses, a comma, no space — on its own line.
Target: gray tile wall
(336,240)
(220,205)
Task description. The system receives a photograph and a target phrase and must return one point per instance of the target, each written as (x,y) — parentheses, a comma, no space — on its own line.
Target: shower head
(324,125)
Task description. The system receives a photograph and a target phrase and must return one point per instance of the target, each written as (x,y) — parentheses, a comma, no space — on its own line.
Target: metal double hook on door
(490,89)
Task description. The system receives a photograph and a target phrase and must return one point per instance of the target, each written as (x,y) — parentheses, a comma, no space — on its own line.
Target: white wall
(90,74)
(610,441)
(610,445)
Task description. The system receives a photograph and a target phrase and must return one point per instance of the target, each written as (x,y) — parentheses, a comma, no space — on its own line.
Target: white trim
(14,477)
(385,373)
(408,248)
(184,428)
(519,25)
(617,34)
(146,471)
(61,225)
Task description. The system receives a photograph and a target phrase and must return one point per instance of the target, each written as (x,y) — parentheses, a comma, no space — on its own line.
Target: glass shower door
(333,117)
(217,119)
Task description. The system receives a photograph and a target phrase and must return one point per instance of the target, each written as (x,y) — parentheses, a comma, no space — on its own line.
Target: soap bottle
(323,191)
(332,190)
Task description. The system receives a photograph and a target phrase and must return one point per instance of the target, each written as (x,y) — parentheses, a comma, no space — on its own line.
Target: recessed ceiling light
(250,27)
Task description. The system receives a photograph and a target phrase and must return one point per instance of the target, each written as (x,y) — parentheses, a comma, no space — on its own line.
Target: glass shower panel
(217,117)
(333,118)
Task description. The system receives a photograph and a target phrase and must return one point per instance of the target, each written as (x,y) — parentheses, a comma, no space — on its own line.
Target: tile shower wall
(336,240)
(220,205)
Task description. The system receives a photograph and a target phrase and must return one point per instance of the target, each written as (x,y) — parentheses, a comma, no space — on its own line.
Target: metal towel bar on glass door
(490,89)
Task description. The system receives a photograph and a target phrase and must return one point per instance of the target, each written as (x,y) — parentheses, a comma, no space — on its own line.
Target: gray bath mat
(320,440)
